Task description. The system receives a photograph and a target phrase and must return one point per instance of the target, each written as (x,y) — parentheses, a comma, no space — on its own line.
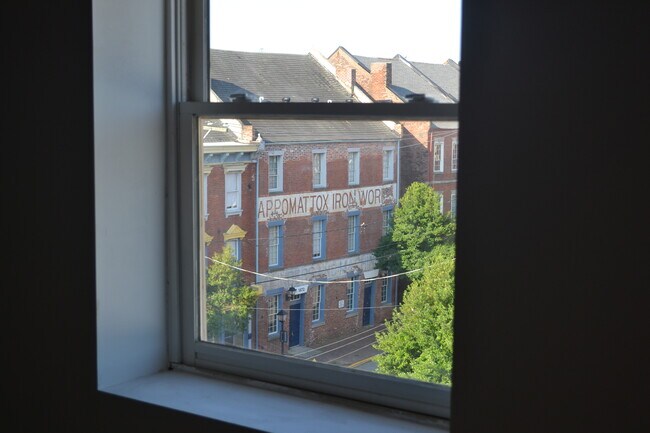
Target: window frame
(279,225)
(322,168)
(274,294)
(322,219)
(386,288)
(453,203)
(356,178)
(318,299)
(352,295)
(386,221)
(388,173)
(356,217)
(439,143)
(454,155)
(279,176)
(187,309)
(236,246)
(230,210)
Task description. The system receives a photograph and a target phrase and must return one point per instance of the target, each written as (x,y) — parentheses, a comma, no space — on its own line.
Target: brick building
(302,203)
(429,150)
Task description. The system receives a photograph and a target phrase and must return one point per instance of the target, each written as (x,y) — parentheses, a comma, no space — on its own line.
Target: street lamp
(283,334)
(290,293)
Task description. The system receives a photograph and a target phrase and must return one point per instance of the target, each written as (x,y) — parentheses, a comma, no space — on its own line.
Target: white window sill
(268,407)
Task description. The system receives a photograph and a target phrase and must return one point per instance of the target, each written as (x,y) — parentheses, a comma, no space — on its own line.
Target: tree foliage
(418,340)
(229,300)
(417,227)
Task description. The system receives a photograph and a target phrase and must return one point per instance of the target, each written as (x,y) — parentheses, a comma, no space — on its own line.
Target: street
(354,351)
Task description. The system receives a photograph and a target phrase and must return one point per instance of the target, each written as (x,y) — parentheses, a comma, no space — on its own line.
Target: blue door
(367,304)
(294,324)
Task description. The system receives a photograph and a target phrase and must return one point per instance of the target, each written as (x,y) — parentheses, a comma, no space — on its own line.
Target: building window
(317,306)
(235,248)
(353,232)
(351,294)
(275,244)
(318,237)
(353,167)
(385,290)
(454,154)
(319,166)
(453,203)
(275,171)
(438,155)
(386,216)
(442,202)
(233,192)
(274,308)
(388,164)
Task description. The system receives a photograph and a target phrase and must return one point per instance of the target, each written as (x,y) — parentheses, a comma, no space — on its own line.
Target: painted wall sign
(310,203)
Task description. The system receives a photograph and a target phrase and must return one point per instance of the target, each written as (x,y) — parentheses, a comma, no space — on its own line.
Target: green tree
(417,227)
(418,340)
(229,299)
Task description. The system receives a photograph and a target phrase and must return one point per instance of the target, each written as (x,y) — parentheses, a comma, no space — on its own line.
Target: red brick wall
(218,222)
(297,178)
(444,182)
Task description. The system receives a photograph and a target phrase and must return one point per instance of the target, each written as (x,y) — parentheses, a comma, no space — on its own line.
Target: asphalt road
(354,351)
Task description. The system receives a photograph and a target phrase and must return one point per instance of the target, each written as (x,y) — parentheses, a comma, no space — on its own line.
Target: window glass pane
(373,172)
(387,66)
(372,230)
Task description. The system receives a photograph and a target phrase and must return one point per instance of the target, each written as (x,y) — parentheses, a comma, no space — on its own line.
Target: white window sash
(188,346)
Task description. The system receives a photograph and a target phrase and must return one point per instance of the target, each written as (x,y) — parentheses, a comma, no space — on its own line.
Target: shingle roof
(304,131)
(299,77)
(438,82)
(272,76)
(445,76)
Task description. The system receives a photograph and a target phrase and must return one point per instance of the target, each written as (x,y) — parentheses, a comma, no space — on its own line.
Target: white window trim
(357,167)
(323,168)
(280,186)
(442,201)
(439,142)
(236,169)
(391,163)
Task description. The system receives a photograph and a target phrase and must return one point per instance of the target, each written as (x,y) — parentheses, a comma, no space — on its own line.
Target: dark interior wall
(551,328)
(551,325)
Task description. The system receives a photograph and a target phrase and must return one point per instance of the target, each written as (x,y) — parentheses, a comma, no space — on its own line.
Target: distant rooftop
(301,78)
(439,82)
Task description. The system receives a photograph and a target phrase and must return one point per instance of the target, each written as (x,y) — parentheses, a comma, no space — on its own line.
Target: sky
(419,30)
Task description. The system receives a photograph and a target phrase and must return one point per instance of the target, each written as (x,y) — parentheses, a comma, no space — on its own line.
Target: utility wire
(336,267)
(337,341)
(349,353)
(314,281)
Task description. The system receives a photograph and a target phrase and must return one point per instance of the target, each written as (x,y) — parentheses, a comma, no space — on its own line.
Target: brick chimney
(381,76)
(248,133)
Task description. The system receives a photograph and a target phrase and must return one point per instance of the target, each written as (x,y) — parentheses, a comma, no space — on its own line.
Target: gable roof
(275,76)
(439,82)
